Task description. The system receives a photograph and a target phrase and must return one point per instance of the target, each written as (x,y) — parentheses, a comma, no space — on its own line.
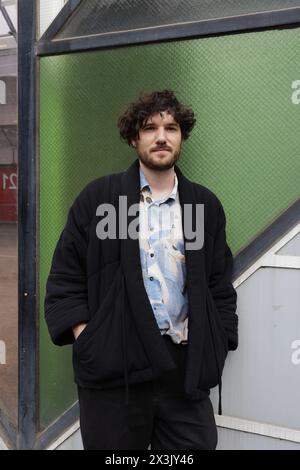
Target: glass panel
(245,90)
(105,16)
(8,9)
(49,9)
(8,24)
(8,221)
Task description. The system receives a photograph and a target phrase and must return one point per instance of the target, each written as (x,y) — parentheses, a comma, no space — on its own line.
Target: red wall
(8,193)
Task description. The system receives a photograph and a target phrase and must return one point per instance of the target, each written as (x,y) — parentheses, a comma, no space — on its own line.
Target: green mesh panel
(245,146)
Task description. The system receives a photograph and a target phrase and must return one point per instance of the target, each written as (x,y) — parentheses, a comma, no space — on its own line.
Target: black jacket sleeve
(220,282)
(66,290)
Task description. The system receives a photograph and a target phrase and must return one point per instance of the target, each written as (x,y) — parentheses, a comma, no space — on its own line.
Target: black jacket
(100,282)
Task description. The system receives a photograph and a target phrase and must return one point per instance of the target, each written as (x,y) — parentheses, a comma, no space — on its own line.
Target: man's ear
(133,143)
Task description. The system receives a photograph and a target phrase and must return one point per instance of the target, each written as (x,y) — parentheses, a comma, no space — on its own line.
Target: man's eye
(149,128)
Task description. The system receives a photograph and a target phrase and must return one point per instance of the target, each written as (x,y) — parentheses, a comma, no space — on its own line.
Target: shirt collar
(145,186)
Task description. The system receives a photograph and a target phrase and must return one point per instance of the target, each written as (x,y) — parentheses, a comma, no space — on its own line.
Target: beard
(156,164)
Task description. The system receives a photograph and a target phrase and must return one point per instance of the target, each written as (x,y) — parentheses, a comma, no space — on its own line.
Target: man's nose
(161,136)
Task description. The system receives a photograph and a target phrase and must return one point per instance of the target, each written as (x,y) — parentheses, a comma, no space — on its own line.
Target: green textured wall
(245,146)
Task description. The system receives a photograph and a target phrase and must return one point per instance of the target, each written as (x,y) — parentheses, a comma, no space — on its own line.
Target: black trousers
(158,414)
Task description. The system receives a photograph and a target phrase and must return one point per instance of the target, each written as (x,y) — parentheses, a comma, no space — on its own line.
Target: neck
(160,181)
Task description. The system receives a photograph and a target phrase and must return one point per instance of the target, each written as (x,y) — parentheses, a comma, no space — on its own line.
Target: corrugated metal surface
(292,248)
(261,380)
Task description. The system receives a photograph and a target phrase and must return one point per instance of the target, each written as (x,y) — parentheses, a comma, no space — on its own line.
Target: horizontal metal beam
(249,22)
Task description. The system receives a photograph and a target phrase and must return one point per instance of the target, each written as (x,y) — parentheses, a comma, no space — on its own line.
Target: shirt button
(148,199)
(151,278)
(151,254)
(151,228)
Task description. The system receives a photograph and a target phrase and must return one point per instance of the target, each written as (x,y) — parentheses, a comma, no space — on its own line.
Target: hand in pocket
(78,329)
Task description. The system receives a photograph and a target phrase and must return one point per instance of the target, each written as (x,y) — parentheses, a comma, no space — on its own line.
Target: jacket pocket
(110,342)
(215,347)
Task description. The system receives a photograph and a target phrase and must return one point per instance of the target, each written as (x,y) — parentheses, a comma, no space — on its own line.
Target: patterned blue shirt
(163,260)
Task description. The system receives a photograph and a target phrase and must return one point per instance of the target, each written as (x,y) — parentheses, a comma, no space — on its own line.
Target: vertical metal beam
(27,224)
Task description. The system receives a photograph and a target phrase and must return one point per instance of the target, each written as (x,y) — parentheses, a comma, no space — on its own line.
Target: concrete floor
(9,321)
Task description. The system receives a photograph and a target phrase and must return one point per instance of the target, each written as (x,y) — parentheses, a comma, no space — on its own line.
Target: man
(151,310)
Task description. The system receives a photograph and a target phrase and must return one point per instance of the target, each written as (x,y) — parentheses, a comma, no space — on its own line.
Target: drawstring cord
(220,397)
(220,378)
(124,345)
(218,368)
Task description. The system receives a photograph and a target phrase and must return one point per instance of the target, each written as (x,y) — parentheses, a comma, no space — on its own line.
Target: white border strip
(70,431)
(255,427)
(270,259)
(227,422)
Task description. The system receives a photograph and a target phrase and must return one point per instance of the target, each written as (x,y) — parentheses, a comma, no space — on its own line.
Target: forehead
(163,117)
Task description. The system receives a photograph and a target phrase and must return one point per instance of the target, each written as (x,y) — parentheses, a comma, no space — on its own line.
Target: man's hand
(78,329)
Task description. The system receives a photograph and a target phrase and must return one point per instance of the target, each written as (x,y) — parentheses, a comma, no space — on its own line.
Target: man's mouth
(162,150)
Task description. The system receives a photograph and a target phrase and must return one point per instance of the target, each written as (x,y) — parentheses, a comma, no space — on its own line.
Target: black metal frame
(28,436)
(28,355)
(65,421)
(48,45)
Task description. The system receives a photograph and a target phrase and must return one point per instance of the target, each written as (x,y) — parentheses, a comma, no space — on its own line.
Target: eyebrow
(150,123)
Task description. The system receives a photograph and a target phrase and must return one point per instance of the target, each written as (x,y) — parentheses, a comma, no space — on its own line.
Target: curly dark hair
(138,112)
